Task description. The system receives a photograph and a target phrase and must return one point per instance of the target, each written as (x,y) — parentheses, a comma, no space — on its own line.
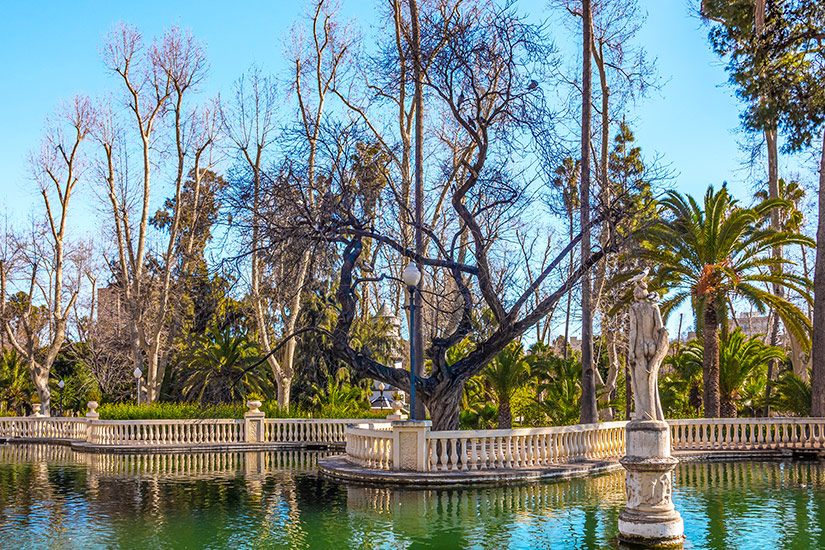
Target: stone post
(650,518)
(253,423)
(409,445)
(91,416)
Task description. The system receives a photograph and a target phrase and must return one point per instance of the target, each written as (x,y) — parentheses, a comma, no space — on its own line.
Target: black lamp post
(411,277)
(61,385)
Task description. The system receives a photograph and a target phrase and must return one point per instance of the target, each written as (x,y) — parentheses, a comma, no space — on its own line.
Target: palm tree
(681,382)
(740,360)
(340,396)
(558,386)
(714,253)
(15,383)
(506,374)
(223,367)
(793,394)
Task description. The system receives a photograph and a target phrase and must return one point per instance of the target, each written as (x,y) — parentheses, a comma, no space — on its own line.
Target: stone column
(650,518)
(409,445)
(91,416)
(253,423)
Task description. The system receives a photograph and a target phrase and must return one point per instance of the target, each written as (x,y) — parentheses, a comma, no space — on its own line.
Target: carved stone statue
(647,347)
(649,519)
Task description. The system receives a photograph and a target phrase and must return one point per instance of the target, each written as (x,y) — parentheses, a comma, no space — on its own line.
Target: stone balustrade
(212,431)
(374,444)
(524,447)
(43,428)
(747,433)
(253,429)
(465,450)
(312,431)
(370,445)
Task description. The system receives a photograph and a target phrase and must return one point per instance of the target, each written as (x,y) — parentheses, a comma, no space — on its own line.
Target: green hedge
(161,411)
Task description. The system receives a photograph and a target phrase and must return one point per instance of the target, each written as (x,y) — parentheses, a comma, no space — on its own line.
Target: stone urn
(254,405)
(397,405)
(92,409)
(36,408)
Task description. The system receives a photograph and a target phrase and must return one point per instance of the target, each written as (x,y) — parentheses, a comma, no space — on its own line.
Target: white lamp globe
(138,373)
(411,275)
(61,384)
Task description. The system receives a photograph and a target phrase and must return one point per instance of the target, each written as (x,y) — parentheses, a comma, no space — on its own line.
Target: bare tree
(483,77)
(249,120)
(589,412)
(57,168)
(157,82)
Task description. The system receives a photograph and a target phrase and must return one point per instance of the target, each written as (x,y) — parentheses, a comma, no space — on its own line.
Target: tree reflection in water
(53,497)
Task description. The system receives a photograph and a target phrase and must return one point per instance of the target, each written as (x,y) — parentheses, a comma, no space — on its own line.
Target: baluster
(444,456)
(471,453)
(482,462)
(454,453)
(464,457)
(515,445)
(512,451)
(518,451)
(527,442)
(530,441)
(553,447)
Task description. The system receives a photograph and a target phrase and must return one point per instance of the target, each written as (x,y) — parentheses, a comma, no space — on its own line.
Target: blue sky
(50,52)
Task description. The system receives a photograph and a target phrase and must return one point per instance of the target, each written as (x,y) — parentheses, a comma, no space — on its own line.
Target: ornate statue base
(649,520)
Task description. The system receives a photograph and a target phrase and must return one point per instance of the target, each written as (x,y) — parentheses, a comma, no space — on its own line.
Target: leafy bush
(325,411)
(793,395)
(165,411)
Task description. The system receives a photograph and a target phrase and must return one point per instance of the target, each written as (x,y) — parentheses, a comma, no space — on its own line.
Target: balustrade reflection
(194,465)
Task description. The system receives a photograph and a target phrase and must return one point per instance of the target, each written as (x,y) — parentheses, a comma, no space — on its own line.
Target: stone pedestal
(649,520)
(409,445)
(253,422)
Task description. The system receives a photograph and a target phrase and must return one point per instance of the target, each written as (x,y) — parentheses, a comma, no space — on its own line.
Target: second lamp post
(137,373)
(411,277)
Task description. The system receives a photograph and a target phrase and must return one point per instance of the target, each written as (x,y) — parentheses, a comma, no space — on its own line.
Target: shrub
(164,411)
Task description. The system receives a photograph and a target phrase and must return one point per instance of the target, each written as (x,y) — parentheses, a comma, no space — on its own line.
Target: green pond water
(51,497)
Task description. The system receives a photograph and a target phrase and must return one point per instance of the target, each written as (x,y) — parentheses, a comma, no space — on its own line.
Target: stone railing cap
(412,423)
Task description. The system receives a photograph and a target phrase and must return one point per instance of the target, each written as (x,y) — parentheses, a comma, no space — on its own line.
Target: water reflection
(54,497)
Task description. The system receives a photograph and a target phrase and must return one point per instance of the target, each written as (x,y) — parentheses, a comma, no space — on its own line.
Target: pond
(52,497)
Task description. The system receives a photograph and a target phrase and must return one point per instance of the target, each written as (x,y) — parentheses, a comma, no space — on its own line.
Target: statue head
(640,291)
